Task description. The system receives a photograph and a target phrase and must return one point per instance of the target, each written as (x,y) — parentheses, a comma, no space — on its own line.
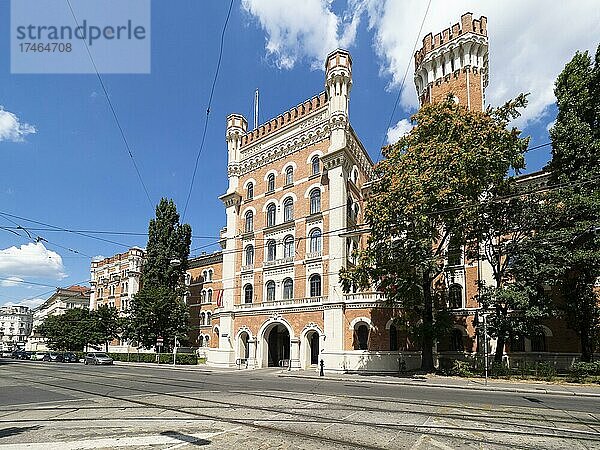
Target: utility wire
(114,113)
(404,78)
(212,91)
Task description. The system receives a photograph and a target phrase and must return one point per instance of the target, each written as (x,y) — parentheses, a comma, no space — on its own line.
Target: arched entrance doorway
(243,347)
(278,346)
(312,348)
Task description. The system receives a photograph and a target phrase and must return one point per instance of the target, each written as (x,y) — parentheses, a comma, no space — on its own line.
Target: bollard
(322,364)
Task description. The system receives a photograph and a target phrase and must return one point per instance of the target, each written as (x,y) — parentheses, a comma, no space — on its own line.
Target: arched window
(517,343)
(203,296)
(315,240)
(248,294)
(250,191)
(315,164)
(289,175)
(209,296)
(271,182)
(315,201)
(204,276)
(454,252)
(288,246)
(456,341)
(270,291)
(315,285)
(210,274)
(202,318)
(361,337)
(288,288)
(208,318)
(288,209)
(206,340)
(249,221)
(271,250)
(538,342)
(249,255)
(455,296)
(271,215)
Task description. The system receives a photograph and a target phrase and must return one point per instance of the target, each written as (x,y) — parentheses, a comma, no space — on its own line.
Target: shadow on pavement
(192,440)
(6,432)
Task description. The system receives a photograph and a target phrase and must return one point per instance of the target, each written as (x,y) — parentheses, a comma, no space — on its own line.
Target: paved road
(69,406)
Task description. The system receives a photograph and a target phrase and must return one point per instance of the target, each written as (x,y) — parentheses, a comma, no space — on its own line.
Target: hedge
(164,358)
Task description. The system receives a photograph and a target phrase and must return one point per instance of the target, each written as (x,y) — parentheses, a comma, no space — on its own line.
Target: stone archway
(243,346)
(275,344)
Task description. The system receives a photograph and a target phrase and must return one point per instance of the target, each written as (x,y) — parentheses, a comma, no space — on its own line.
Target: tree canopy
(425,193)
(564,253)
(158,309)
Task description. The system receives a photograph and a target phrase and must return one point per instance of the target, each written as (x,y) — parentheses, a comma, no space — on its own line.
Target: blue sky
(63,161)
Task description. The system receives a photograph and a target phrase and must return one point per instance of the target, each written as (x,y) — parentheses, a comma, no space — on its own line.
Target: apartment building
(58,303)
(15,326)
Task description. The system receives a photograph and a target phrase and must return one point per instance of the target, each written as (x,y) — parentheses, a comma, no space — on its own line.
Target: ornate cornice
(231,199)
(314,128)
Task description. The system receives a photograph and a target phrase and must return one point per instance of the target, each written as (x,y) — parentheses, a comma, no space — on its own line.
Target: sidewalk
(478,384)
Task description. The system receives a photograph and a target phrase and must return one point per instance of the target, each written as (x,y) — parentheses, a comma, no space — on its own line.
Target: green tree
(564,254)
(506,219)
(449,159)
(68,331)
(105,325)
(158,309)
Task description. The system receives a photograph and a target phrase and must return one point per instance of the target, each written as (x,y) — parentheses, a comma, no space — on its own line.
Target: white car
(39,356)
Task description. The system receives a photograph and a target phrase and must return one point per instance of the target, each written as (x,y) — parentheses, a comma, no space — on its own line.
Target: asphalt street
(72,406)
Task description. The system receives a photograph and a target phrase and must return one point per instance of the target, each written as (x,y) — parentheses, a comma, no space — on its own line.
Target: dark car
(53,357)
(21,354)
(97,359)
(70,357)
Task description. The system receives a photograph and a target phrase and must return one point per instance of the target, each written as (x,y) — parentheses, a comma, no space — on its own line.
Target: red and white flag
(220,298)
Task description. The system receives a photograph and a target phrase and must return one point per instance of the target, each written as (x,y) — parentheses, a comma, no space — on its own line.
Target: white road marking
(127,441)
(337,423)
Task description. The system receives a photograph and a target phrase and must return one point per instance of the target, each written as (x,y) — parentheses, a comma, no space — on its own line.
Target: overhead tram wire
(57,228)
(404,78)
(210,97)
(39,238)
(114,113)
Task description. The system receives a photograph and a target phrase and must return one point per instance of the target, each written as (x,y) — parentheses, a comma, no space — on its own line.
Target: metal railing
(285,302)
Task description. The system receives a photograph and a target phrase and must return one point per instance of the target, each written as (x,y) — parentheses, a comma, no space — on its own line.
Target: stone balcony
(284,303)
(279,262)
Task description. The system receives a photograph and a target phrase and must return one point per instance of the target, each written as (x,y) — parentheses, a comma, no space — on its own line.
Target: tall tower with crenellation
(455,62)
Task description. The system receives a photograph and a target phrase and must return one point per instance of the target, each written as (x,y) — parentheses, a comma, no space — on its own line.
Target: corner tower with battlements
(455,62)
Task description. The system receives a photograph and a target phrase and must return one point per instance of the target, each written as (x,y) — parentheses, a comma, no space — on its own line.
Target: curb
(449,386)
(163,366)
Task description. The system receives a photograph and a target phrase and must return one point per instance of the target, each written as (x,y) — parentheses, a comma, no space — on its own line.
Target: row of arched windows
(288,211)
(206,296)
(315,245)
(314,282)
(289,177)
(204,317)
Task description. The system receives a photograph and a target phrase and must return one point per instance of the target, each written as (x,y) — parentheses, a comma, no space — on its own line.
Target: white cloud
(11,128)
(303,29)
(11,281)
(530,42)
(29,302)
(98,258)
(397,131)
(31,260)
(550,125)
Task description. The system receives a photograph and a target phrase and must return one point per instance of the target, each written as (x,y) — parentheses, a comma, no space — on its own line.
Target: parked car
(53,357)
(70,357)
(97,359)
(6,354)
(39,356)
(20,354)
